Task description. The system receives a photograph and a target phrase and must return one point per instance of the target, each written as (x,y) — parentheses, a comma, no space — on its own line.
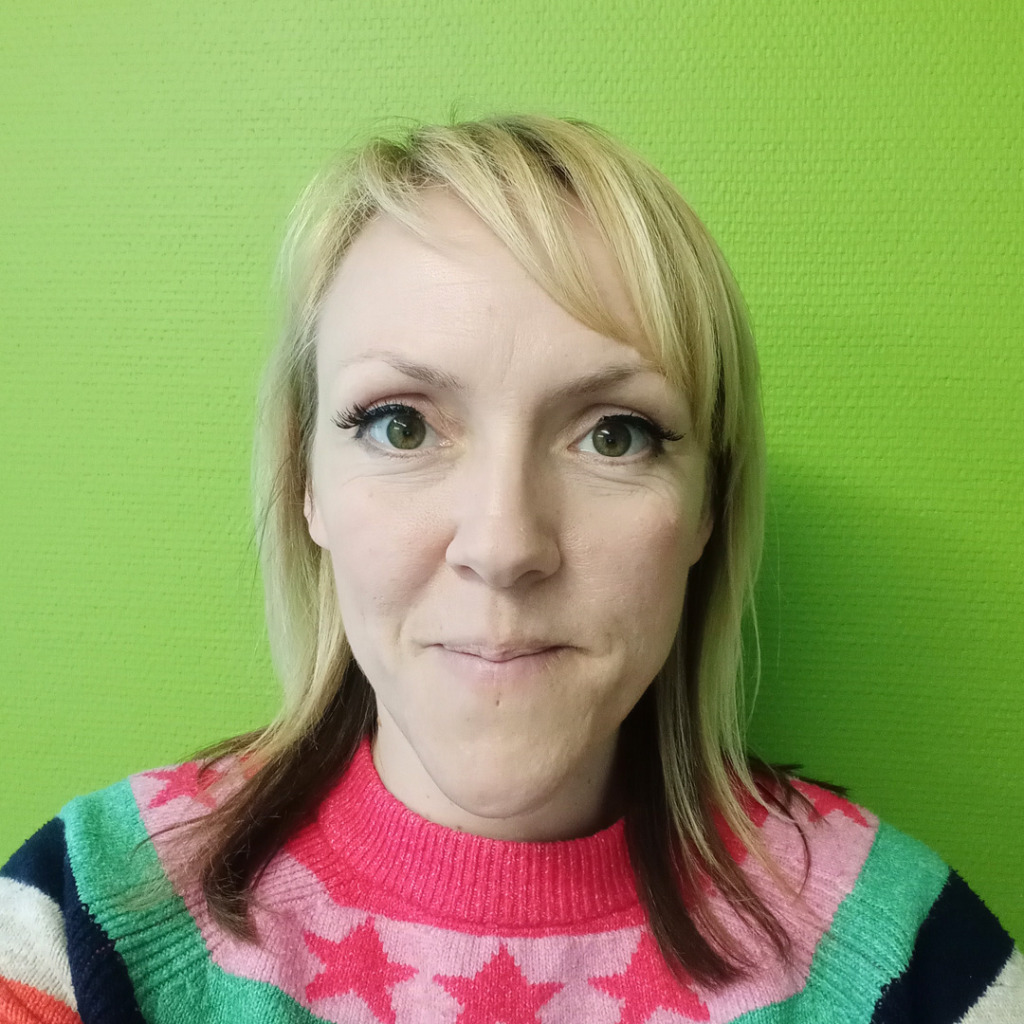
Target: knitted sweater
(371,914)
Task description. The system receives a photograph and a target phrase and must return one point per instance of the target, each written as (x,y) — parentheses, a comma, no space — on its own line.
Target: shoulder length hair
(688,771)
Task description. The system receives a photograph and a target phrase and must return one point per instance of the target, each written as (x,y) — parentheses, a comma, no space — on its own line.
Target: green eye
(405,430)
(615,436)
(395,426)
(392,426)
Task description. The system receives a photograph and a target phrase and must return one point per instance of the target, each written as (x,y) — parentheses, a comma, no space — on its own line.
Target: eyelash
(359,417)
(655,431)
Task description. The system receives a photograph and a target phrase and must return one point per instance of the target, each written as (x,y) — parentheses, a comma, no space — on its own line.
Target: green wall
(861,166)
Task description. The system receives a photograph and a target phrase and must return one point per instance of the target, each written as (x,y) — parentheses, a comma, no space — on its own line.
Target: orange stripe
(23,1004)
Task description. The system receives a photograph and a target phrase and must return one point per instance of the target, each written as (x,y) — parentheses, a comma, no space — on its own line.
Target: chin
(515,794)
(495,799)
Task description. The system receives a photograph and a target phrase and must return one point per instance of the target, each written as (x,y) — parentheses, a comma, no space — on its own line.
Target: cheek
(380,548)
(637,564)
(660,570)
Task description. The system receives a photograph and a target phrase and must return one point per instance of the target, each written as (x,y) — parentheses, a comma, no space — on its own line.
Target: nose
(505,522)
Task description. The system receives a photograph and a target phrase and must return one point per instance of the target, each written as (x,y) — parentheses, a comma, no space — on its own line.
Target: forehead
(451,279)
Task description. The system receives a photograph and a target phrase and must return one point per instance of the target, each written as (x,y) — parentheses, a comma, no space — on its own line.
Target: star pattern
(825,802)
(498,993)
(250,765)
(188,779)
(358,965)
(646,986)
(754,811)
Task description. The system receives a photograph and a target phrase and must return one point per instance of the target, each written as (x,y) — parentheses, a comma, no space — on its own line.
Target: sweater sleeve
(963,969)
(35,971)
(57,965)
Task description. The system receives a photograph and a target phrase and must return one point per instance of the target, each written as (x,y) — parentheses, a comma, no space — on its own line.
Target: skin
(508,588)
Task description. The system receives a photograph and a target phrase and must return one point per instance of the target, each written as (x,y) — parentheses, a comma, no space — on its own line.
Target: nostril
(503,553)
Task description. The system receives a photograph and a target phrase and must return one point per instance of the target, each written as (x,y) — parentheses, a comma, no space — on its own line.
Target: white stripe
(1003,1001)
(33,946)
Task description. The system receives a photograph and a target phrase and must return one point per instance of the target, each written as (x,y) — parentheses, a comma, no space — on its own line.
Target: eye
(392,425)
(616,436)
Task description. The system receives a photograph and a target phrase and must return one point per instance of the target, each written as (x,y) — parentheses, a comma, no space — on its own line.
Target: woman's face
(511,503)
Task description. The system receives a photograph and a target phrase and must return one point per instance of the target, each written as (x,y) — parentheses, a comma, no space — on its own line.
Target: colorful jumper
(372,915)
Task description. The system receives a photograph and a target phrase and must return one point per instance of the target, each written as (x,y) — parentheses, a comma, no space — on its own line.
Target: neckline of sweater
(456,876)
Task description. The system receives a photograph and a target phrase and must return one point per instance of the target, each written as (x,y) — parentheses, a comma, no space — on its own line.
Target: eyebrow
(418,371)
(585,384)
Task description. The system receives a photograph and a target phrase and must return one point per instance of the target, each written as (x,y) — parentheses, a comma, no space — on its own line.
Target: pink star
(825,802)
(250,765)
(188,779)
(498,993)
(757,814)
(357,964)
(647,985)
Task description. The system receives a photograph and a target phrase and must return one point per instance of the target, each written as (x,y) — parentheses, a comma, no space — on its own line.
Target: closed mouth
(500,654)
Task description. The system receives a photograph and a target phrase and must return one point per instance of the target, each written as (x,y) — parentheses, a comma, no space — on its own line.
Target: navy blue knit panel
(102,987)
(39,861)
(960,950)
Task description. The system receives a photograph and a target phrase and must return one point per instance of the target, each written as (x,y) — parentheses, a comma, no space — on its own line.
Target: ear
(313,521)
(707,527)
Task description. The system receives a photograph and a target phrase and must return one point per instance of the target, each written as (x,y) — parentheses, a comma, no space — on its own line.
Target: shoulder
(57,961)
(47,869)
(107,826)
(120,840)
(84,897)
(898,928)
(34,965)
(108,833)
(824,841)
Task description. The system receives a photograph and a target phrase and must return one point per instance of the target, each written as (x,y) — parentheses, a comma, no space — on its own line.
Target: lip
(487,665)
(503,653)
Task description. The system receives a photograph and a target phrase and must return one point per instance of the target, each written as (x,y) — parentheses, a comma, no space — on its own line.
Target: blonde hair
(526,177)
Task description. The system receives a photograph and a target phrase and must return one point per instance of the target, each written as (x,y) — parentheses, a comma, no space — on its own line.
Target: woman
(511,513)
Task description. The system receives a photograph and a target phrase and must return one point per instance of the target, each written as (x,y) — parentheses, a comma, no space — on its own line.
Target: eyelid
(644,420)
(357,413)
(364,418)
(656,436)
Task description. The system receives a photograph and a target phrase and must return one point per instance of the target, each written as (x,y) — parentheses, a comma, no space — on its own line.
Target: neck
(485,800)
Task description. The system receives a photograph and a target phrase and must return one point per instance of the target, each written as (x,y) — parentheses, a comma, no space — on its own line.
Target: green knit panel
(871,938)
(120,879)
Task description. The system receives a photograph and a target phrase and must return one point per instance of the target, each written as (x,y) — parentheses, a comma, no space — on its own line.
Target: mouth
(506,664)
(502,653)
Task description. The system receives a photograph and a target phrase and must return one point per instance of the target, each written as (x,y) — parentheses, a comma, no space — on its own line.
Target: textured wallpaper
(860,165)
